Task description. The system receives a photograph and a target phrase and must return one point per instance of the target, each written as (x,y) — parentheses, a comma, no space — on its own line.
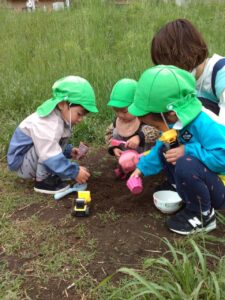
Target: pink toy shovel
(116,143)
(134,184)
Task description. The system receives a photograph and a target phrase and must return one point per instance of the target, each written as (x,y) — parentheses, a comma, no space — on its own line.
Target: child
(39,149)
(126,127)
(179,43)
(197,166)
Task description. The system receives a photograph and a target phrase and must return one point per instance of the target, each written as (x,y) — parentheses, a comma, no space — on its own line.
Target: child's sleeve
(148,135)
(209,146)
(68,150)
(62,166)
(151,163)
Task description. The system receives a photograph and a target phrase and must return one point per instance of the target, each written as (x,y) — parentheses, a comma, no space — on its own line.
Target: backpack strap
(218,66)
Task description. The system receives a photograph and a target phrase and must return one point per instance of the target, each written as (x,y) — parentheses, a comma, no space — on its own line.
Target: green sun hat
(166,88)
(73,89)
(122,94)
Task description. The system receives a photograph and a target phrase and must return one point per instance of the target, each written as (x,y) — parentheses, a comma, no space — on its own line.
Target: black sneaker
(186,222)
(51,185)
(165,186)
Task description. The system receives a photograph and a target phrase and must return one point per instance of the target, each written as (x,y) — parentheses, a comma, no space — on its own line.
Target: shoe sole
(51,192)
(208,228)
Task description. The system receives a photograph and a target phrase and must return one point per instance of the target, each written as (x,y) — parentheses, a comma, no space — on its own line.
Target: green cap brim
(49,105)
(118,104)
(136,111)
(92,109)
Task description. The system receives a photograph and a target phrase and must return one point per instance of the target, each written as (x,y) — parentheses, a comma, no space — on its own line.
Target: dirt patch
(126,228)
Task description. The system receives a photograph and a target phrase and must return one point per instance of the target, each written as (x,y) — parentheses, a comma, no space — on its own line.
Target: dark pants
(199,187)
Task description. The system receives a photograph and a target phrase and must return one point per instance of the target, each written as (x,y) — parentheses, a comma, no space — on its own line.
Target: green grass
(109,215)
(179,274)
(98,40)
(102,42)
(32,248)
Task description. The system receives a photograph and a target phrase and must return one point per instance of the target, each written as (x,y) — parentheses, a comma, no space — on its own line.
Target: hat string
(164,120)
(70,119)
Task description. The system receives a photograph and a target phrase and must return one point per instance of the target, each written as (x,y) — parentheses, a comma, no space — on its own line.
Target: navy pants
(199,187)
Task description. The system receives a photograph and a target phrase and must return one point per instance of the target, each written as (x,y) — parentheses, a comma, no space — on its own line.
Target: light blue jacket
(203,138)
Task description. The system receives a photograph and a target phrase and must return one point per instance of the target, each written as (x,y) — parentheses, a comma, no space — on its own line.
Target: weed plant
(179,274)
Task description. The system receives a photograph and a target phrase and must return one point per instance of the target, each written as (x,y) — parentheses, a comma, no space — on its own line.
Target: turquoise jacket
(203,138)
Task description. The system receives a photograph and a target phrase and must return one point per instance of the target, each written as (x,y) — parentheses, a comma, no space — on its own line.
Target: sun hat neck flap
(73,89)
(122,94)
(166,88)
(186,109)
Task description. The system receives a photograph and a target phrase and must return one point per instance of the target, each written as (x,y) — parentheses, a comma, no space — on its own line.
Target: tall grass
(180,274)
(96,39)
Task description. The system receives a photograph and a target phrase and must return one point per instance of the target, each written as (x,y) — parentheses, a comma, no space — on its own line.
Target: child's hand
(74,153)
(136,173)
(82,150)
(117,152)
(133,142)
(172,155)
(83,175)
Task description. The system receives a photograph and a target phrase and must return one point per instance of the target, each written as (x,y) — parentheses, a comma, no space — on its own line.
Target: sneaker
(51,185)
(165,186)
(186,222)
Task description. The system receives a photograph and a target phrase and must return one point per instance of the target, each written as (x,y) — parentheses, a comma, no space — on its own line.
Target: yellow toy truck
(82,204)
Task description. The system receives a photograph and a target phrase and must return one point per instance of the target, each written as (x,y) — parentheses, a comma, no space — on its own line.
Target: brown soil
(132,228)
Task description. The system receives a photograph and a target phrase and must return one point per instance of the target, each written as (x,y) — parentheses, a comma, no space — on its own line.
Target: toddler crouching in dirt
(126,128)
(38,148)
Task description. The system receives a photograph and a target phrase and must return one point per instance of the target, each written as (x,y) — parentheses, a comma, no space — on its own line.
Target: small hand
(74,153)
(172,155)
(117,152)
(83,175)
(133,142)
(136,173)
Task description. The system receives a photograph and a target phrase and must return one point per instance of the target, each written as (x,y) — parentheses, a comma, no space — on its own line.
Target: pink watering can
(135,185)
(128,160)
